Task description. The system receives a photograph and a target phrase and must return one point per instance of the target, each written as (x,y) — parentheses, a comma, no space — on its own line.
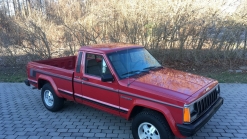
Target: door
(94,92)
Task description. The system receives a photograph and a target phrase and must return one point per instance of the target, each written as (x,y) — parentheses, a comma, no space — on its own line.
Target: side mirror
(106,77)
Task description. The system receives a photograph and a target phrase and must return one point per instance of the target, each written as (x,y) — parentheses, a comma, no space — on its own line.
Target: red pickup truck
(126,80)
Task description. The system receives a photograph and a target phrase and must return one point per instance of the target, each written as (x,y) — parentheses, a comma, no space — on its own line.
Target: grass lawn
(227,77)
(12,74)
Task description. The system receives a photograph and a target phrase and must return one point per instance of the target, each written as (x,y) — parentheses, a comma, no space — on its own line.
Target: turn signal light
(186,115)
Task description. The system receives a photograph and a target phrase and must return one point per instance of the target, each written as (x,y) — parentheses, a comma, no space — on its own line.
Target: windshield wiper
(134,71)
(152,67)
(131,72)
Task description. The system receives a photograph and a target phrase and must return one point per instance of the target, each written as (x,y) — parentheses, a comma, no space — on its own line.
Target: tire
(50,100)
(151,125)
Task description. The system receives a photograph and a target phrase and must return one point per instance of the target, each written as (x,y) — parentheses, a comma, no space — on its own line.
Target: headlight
(191,107)
(217,88)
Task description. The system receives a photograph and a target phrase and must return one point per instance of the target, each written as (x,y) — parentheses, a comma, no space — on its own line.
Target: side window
(95,65)
(78,65)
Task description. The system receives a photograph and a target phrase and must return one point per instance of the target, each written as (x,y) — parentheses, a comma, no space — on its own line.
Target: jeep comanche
(127,81)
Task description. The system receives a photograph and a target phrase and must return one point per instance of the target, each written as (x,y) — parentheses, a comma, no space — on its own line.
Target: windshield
(132,61)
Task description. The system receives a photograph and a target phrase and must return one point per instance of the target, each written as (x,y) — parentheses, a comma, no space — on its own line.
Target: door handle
(84,78)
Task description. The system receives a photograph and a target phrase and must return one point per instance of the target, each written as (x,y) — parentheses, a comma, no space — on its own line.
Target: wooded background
(197,32)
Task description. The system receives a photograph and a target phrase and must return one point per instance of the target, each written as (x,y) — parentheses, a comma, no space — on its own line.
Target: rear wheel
(50,100)
(151,125)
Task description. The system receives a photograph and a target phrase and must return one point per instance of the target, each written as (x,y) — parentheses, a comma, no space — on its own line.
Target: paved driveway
(22,115)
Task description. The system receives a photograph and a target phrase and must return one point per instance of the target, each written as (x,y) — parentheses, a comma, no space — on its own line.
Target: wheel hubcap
(148,131)
(48,97)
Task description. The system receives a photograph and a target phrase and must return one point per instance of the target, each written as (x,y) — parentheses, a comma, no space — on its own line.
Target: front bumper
(27,82)
(188,130)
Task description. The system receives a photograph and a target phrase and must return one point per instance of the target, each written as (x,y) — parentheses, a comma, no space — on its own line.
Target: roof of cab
(108,48)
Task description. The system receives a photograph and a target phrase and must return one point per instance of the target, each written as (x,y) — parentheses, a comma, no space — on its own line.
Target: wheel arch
(42,82)
(142,105)
(43,79)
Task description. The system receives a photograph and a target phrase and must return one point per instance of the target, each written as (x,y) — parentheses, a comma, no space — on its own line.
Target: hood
(175,80)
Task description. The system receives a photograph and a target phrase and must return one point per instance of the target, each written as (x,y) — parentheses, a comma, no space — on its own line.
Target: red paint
(164,90)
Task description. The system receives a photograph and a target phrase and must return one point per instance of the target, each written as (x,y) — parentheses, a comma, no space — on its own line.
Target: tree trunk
(4,7)
(40,5)
(29,8)
(19,6)
(8,7)
(15,8)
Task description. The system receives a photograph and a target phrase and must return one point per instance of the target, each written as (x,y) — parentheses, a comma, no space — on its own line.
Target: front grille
(202,105)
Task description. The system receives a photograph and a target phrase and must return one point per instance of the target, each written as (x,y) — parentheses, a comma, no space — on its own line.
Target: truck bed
(63,62)
(58,70)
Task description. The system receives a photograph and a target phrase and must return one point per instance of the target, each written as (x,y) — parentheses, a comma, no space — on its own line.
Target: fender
(50,80)
(160,108)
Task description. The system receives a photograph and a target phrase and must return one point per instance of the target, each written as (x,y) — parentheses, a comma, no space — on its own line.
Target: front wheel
(49,98)
(150,125)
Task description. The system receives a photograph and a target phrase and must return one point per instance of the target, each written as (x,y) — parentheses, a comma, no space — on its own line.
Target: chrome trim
(68,92)
(150,99)
(100,86)
(124,109)
(32,80)
(77,80)
(102,102)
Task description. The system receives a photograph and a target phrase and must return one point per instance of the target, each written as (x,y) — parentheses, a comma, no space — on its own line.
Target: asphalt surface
(22,116)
